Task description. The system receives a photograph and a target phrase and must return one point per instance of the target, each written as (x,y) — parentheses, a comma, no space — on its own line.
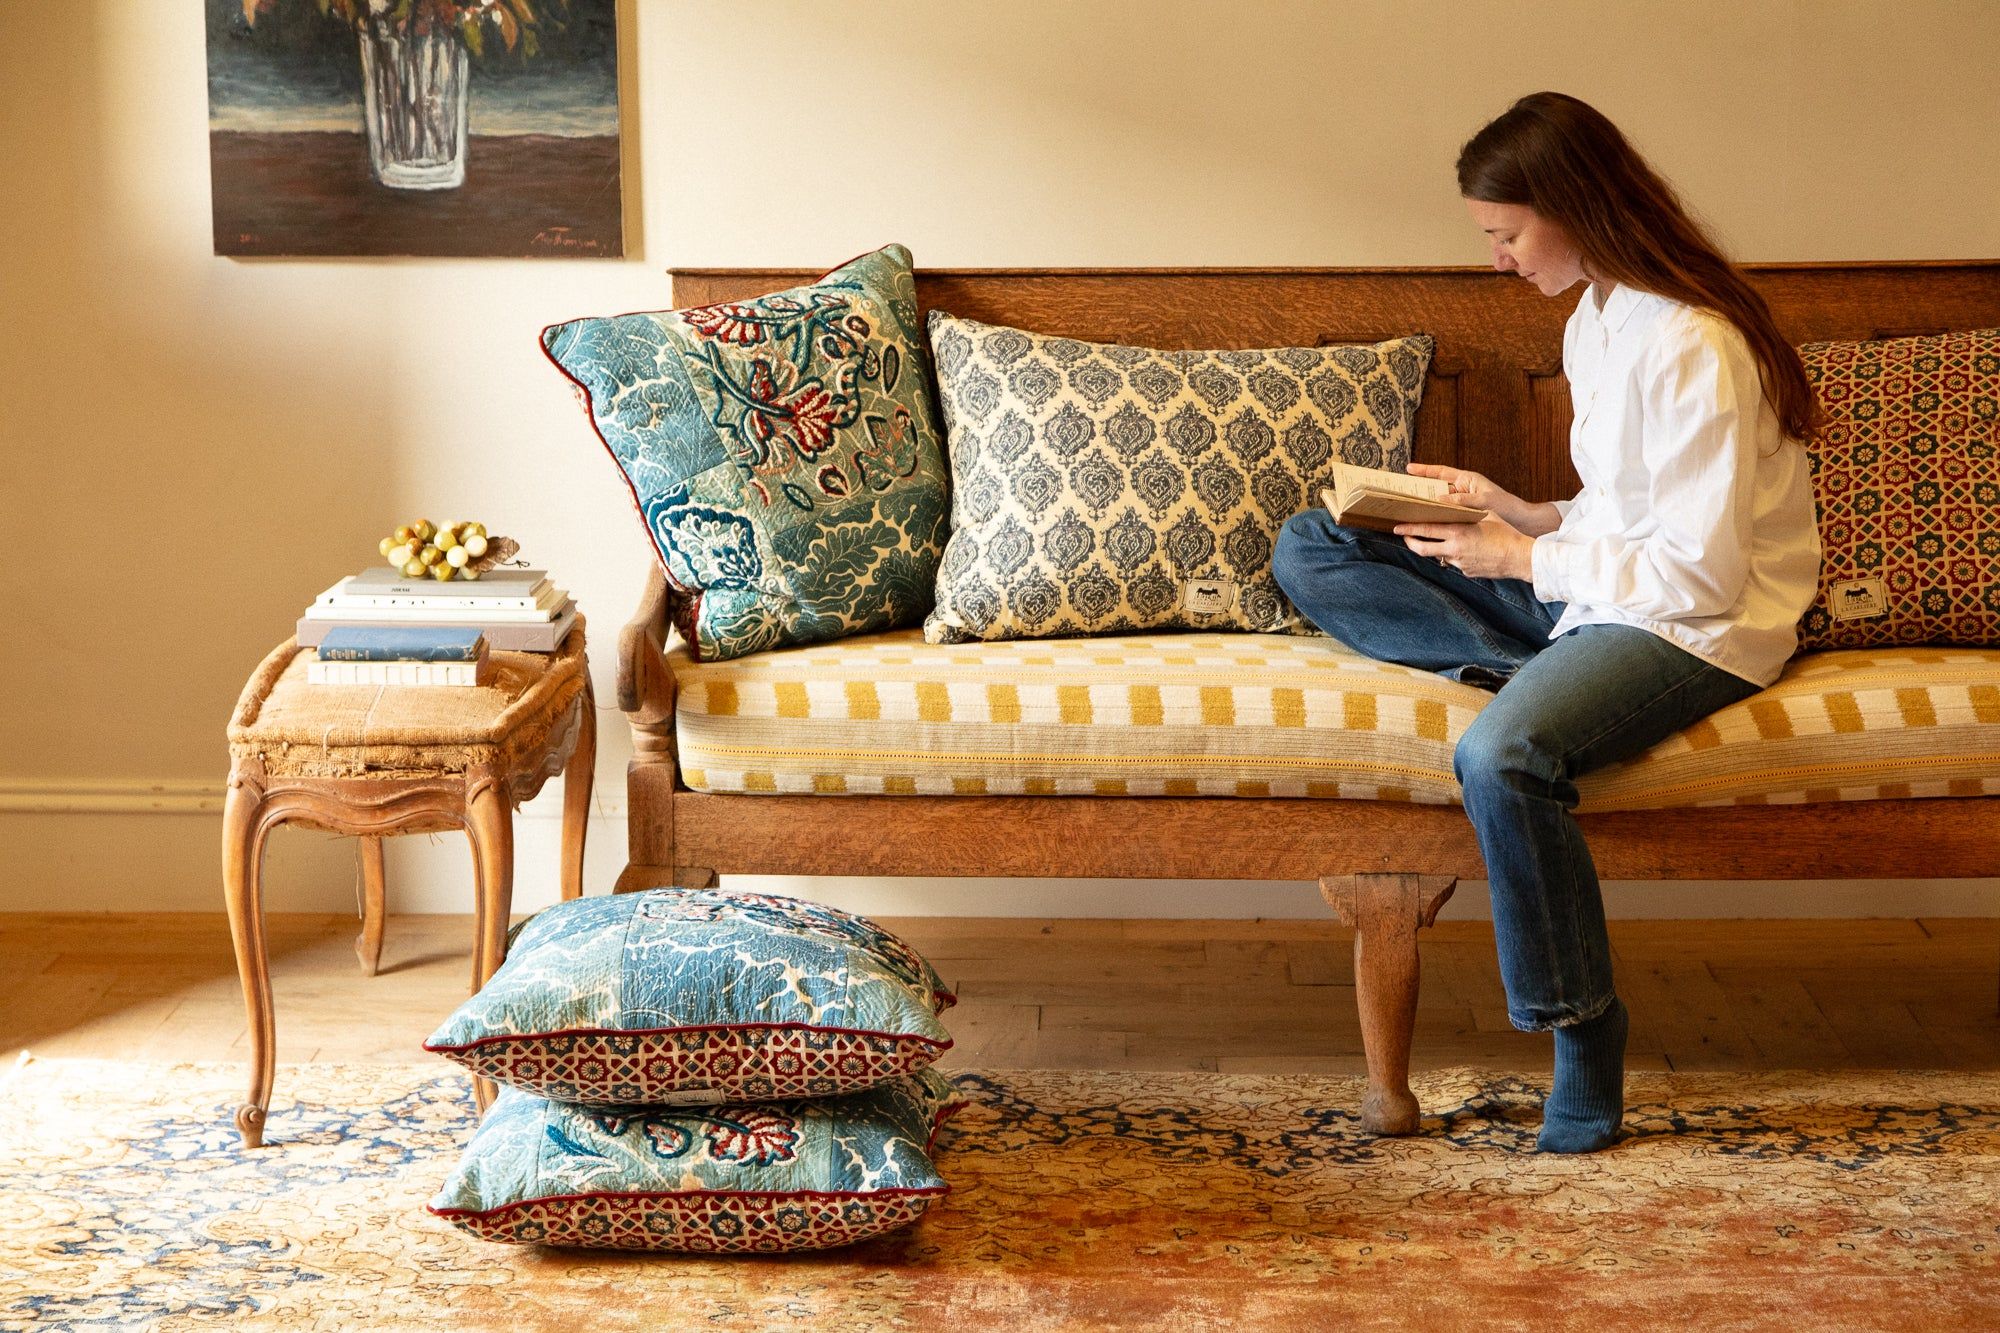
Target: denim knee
(1492,754)
(1297,540)
(1309,538)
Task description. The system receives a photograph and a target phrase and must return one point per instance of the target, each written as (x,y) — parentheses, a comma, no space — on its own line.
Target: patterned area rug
(1080,1200)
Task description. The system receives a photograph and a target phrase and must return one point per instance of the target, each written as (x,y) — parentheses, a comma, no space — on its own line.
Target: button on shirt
(1695,521)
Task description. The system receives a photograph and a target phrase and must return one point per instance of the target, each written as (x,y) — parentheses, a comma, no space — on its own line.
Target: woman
(1668,588)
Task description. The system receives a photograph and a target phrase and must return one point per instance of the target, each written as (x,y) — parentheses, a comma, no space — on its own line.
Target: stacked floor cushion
(701,1069)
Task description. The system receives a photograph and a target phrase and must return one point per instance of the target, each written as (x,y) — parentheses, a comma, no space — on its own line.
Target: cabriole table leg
(242,886)
(374,902)
(578,777)
(489,817)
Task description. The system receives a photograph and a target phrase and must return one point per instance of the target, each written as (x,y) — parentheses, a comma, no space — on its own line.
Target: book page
(1349,479)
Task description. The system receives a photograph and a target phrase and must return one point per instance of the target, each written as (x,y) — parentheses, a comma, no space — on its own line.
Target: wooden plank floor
(1235,996)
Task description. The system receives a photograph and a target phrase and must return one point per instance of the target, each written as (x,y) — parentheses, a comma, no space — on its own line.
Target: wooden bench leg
(636,879)
(1386,911)
(649,812)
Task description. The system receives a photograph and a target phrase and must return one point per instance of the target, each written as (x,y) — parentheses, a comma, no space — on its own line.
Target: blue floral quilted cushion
(700,995)
(748,1177)
(783,452)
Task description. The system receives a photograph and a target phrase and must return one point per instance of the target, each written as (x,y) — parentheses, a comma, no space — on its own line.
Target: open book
(1373,497)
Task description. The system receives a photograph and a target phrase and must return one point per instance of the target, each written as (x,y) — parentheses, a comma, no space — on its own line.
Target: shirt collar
(1617,307)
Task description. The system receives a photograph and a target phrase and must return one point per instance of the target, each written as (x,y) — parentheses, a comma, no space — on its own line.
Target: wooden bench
(1496,402)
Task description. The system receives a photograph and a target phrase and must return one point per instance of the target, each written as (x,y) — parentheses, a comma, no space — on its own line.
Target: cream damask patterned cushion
(1284,715)
(1100,489)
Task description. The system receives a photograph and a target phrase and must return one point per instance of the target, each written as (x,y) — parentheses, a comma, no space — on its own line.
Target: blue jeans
(1598,694)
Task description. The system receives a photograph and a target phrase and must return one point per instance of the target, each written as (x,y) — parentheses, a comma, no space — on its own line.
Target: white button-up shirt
(1696,516)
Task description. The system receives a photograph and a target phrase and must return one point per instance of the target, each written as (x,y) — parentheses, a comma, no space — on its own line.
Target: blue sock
(1587,1104)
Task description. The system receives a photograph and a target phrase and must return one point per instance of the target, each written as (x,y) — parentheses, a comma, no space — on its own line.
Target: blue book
(401,643)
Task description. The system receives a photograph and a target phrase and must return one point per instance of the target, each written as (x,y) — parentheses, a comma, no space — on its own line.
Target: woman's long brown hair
(1564,159)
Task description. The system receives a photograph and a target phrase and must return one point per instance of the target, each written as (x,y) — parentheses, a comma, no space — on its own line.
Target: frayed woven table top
(412,730)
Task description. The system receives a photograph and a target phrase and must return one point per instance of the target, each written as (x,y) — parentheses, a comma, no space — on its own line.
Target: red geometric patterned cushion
(1906,479)
(748,1223)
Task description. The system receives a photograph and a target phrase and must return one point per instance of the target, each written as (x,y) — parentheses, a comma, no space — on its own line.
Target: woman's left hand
(1489,549)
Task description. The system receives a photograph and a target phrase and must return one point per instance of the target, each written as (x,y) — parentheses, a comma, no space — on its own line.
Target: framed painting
(414,127)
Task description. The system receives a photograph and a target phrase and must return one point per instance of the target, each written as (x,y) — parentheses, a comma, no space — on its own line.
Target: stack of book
(399,655)
(517,610)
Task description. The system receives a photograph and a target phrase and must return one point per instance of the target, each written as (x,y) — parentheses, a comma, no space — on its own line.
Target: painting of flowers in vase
(414,127)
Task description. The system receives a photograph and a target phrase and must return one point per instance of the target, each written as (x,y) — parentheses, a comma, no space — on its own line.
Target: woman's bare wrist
(1538,520)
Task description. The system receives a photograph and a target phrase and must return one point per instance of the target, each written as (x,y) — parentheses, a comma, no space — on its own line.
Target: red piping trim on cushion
(943,1113)
(773,1195)
(690,598)
(942,1046)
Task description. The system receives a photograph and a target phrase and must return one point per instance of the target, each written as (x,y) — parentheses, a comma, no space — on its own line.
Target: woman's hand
(1492,548)
(1470,488)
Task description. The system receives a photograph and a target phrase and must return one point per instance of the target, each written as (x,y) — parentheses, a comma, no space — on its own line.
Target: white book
(435,614)
(395,673)
(390,587)
(348,592)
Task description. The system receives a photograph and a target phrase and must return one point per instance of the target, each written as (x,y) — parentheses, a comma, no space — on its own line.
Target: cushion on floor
(761,1177)
(699,995)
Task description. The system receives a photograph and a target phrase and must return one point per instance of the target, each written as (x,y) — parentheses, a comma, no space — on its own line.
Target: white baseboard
(156,846)
(76,796)
(179,796)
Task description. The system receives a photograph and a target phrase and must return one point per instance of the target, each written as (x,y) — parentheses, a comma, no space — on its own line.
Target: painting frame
(419,128)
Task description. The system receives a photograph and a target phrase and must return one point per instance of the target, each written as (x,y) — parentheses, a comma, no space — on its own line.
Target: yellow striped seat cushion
(1273,715)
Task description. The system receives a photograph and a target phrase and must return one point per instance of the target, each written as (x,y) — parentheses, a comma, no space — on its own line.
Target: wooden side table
(378,760)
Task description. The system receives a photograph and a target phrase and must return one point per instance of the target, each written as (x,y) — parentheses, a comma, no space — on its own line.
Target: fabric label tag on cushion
(1208,597)
(1856,599)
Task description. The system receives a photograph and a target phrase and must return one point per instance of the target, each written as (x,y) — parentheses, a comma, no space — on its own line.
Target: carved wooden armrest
(645,682)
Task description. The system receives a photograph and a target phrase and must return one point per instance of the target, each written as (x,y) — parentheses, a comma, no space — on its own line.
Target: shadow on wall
(192,458)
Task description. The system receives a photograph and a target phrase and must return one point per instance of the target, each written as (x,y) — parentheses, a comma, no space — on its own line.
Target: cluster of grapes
(451,551)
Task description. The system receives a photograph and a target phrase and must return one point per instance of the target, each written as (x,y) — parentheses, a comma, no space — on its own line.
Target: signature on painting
(559,238)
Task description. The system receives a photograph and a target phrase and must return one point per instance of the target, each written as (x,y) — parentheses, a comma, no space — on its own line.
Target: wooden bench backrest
(1497,400)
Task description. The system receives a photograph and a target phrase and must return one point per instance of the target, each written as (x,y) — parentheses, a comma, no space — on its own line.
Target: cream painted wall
(195,445)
